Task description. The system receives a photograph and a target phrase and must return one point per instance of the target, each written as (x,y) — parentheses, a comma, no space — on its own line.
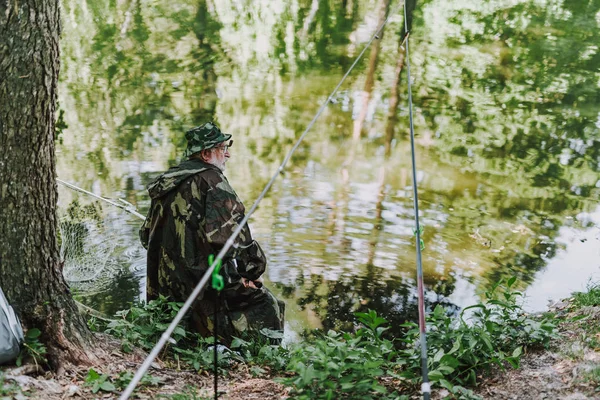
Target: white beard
(219,164)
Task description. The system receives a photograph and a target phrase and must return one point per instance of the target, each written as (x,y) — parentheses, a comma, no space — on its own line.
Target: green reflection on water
(507,122)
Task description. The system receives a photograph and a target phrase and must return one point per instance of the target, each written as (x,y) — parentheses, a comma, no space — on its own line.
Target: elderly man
(193,212)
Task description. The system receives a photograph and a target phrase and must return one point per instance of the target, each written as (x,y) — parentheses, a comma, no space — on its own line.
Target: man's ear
(205,155)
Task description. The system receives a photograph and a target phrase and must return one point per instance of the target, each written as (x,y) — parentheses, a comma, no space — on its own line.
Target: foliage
(582,322)
(496,333)
(125,378)
(589,298)
(33,348)
(60,125)
(593,376)
(344,365)
(99,382)
(94,324)
(142,325)
(102,382)
(262,355)
(201,356)
(350,365)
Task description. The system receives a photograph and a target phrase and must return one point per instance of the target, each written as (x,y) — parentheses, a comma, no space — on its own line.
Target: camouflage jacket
(193,212)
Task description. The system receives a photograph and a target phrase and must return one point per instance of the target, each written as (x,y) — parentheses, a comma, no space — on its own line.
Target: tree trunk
(370,82)
(30,267)
(392,118)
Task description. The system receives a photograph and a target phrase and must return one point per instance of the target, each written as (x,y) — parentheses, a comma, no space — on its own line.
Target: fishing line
(425,386)
(125,206)
(89,242)
(229,243)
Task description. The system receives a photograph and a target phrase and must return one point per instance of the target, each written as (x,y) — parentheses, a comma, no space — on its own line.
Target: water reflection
(120,294)
(507,128)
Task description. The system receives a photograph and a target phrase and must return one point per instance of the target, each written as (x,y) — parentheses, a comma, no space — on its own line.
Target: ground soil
(559,372)
(37,384)
(555,373)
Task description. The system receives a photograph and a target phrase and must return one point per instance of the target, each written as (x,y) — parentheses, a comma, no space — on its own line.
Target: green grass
(592,376)
(589,298)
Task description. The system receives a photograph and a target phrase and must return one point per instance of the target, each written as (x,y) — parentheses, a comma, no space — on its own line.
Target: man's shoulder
(197,170)
(212,176)
(175,178)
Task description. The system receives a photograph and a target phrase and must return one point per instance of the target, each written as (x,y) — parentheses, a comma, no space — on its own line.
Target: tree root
(29,369)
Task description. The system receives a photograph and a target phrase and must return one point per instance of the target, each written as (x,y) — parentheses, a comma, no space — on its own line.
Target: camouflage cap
(204,137)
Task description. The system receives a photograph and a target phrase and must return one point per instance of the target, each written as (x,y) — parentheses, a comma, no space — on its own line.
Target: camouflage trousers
(239,313)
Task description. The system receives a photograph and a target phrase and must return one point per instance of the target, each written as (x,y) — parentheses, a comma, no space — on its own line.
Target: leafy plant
(351,365)
(346,365)
(201,357)
(125,378)
(99,382)
(102,382)
(60,125)
(33,348)
(592,376)
(142,325)
(257,350)
(94,324)
(496,333)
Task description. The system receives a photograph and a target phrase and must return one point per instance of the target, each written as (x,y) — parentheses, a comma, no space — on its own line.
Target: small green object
(217,280)
(421,242)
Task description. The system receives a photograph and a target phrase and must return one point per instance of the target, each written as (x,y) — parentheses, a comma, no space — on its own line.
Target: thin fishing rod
(216,347)
(121,206)
(425,386)
(229,243)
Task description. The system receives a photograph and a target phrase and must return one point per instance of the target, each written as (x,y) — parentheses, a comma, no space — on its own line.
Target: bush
(346,365)
(142,326)
(362,364)
(352,365)
(260,353)
(496,333)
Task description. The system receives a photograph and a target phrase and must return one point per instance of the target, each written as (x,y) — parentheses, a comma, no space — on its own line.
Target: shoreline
(568,368)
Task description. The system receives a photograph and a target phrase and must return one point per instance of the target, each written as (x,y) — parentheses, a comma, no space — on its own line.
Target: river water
(507,122)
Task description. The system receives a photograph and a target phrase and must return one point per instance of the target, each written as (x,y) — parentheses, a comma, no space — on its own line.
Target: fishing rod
(229,243)
(425,386)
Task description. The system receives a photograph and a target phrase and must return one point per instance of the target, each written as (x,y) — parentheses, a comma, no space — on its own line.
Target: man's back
(194,212)
(181,230)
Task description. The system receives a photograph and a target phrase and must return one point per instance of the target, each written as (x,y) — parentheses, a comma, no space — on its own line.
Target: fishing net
(98,243)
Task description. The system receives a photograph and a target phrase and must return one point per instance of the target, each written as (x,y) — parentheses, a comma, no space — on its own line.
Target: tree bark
(392,118)
(30,267)
(370,82)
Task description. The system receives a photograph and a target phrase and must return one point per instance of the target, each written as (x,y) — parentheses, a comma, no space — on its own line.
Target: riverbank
(567,368)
